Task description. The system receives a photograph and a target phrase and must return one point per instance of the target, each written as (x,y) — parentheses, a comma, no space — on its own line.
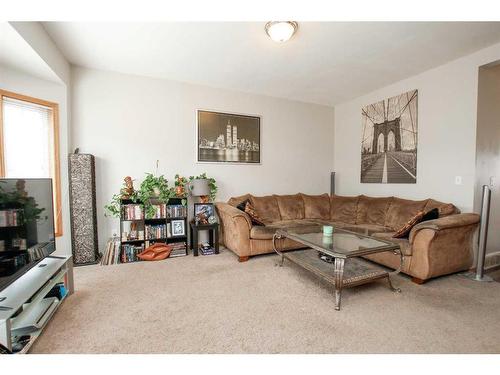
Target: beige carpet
(214,304)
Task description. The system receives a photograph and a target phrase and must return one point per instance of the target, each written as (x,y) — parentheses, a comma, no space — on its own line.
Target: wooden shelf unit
(143,222)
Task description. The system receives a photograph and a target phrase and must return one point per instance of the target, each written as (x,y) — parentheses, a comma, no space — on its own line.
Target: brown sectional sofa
(434,247)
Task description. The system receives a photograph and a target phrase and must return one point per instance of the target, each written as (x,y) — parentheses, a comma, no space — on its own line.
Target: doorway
(488,153)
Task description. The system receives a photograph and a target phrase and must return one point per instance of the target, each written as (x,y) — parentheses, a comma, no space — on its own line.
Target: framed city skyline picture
(389,140)
(228,138)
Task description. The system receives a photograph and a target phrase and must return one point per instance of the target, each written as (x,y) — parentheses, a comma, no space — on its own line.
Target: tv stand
(28,304)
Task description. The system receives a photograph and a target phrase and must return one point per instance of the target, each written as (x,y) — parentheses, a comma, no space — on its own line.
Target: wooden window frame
(57,161)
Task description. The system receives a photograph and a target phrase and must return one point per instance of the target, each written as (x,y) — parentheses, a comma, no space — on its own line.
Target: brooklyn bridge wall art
(389,142)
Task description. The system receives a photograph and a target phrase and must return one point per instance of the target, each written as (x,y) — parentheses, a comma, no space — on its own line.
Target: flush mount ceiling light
(281,31)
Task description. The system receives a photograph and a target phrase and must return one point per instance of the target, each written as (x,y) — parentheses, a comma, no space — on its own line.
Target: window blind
(27,139)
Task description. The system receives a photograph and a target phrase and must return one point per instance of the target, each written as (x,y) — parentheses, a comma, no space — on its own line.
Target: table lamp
(200,188)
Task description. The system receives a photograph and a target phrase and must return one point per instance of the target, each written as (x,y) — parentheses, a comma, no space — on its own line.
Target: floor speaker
(83,211)
(332,183)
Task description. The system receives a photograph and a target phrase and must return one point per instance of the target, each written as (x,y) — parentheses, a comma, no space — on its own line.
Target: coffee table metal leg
(279,252)
(395,272)
(338,273)
(398,290)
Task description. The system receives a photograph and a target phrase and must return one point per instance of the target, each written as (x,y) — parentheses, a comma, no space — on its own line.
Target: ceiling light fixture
(281,31)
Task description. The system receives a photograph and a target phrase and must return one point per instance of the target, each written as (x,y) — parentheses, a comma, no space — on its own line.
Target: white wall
(20,83)
(488,149)
(128,122)
(447,108)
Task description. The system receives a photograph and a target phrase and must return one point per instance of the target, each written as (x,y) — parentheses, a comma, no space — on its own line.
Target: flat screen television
(26,225)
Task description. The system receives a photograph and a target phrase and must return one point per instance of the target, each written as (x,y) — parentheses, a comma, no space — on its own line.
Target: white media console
(27,304)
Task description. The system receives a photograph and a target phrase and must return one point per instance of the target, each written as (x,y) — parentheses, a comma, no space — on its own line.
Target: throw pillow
(247,207)
(431,215)
(404,231)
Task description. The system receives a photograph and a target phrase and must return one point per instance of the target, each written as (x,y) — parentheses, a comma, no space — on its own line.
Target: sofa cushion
(366,229)
(372,210)
(291,206)
(316,206)
(343,208)
(267,232)
(403,243)
(266,207)
(401,211)
(235,201)
(445,209)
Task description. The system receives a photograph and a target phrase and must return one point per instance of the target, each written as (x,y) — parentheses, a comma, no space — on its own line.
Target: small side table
(213,236)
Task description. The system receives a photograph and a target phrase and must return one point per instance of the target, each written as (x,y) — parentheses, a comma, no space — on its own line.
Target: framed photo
(389,140)
(178,228)
(228,138)
(203,212)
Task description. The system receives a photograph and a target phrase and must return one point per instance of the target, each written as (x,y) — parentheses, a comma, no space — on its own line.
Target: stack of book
(112,253)
(156,231)
(206,249)
(132,212)
(178,249)
(176,210)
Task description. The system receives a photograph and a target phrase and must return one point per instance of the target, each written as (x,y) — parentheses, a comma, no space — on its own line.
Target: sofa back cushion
(291,206)
(401,211)
(445,209)
(316,206)
(267,208)
(343,209)
(372,210)
(235,201)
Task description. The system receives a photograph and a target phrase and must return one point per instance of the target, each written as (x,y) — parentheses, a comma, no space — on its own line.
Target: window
(29,142)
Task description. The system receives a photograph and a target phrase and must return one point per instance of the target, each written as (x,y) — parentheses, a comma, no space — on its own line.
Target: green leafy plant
(153,188)
(113,208)
(211,184)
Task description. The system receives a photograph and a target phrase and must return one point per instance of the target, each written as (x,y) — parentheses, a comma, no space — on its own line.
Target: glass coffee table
(343,249)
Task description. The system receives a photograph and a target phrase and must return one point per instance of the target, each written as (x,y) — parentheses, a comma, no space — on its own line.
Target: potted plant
(153,188)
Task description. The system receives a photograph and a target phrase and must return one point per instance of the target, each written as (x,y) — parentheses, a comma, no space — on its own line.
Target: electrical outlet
(458,180)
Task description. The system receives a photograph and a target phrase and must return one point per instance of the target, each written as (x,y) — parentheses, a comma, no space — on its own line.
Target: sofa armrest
(236,226)
(229,211)
(447,222)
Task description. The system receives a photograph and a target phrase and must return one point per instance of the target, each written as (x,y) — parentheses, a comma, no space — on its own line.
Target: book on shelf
(129,253)
(160,211)
(112,253)
(176,210)
(10,218)
(132,212)
(178,249)
(156,231)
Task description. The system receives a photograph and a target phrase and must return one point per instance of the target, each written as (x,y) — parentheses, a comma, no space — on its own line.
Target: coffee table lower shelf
(357,271)
(343,273)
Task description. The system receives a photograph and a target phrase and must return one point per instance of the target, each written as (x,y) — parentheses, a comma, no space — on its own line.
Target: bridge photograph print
(389,141)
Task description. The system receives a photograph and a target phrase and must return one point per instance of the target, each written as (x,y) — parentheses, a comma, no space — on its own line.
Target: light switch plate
(458,180)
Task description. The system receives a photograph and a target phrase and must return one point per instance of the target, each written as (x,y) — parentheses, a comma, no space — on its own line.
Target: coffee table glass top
(342,244)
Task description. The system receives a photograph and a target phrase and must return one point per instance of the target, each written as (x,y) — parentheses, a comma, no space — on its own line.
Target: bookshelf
(168,225)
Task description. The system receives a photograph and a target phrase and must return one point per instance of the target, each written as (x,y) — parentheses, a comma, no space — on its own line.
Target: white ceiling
(17,54)
(324,63)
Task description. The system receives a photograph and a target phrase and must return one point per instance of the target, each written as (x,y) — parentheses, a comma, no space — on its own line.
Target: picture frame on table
(204,213)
